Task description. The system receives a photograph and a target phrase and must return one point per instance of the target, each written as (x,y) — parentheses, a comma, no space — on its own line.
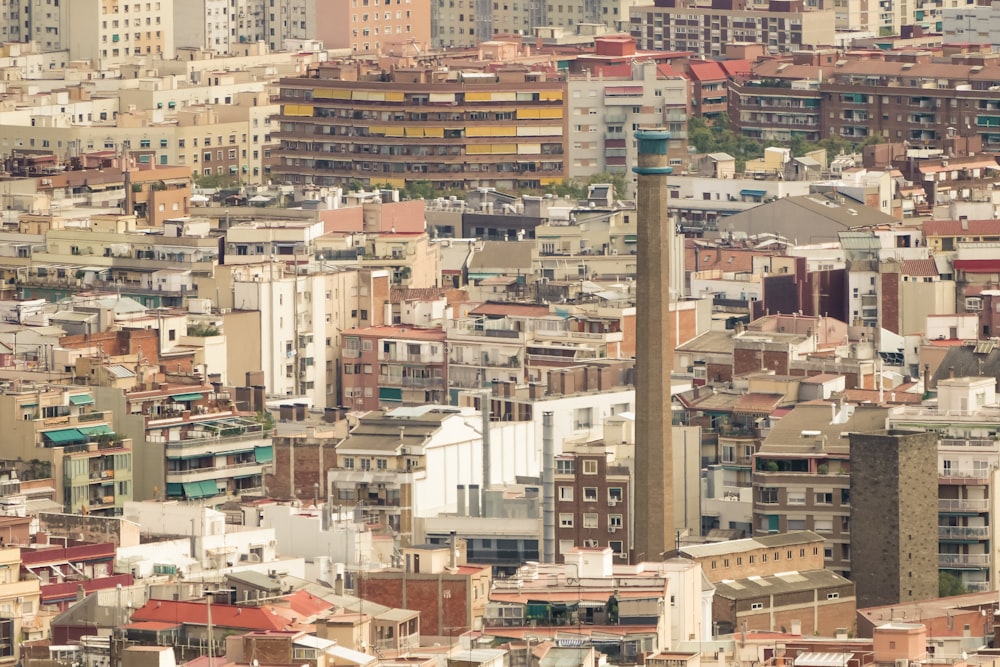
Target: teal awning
(66,436)
(753,193)
(100,429)
(263,454)
(29,405)
(81,399)
(187,397)
(390,394)
(631,238)
(203,489)
(174,489)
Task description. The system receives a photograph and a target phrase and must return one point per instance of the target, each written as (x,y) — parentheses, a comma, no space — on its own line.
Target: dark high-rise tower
(894,517)
(654,507)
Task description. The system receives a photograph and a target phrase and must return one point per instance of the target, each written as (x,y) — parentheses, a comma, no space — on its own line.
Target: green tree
(202,330)
(949,585)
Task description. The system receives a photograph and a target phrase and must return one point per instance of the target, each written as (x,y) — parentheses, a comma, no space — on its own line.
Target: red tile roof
(956,228)
(307,605)
(707,71)
(919,267)
(735,68)
(223,615)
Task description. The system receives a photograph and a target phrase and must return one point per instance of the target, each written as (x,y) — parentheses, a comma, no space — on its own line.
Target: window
(582,417)
(768,495)
(756,605)
(824,498)
(796,496)
(823,525)
(590,467)
(565,520)
(590,520)
(566,493)
(349,462)
(796,524)
(590,493)
(615,521)
(565,466)
(832,596)
(565,546)
(614,495)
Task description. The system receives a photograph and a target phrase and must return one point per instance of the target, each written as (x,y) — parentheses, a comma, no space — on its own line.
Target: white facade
(300,533)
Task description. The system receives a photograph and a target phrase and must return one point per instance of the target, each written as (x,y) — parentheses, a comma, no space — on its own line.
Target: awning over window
(203,489)
(263,454)
(81,399)
(390,394)
(183,398)
(66,436)
(753,193)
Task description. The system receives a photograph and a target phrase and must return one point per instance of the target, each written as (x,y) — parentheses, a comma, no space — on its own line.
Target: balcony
(216,472)
(405,381)
(968,442)
(963,561)
(963,477)
(963,533)
(609,336)
(977,586)
(963,506)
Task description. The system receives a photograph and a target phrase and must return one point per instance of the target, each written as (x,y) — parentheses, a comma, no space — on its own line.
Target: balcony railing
(975,477)
(952,505)
(963,532)
(963,560)
(967,442)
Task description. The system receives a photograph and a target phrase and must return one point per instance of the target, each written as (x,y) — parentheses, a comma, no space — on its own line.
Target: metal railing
(963,532)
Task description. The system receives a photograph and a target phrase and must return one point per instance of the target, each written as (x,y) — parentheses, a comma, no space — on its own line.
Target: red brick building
(450,596)
(593,497)
(392,366)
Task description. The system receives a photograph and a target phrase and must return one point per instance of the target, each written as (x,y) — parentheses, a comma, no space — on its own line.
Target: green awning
(263,454)
(174,489)
(631,238)
(203,489)
(390,394)
(81,399)
(66,436)
(187,397)
(29,405)
(100,429)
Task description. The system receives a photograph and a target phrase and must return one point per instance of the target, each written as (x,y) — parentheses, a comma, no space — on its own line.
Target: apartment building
(231,140)
(20,596)
(466,23)
(623,93)
(102,31)
(801,477)
(910,96)
(399,465)
(977,24)
(968,456)
(223,25)
(705,29)
(593,502)
(390,366)
(405,126)
(55,432)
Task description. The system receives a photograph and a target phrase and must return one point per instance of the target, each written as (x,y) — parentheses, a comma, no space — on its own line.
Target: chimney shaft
(654,513)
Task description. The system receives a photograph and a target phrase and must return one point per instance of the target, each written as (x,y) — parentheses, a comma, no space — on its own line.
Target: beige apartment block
(223,140)
(465,23)
(115,31)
